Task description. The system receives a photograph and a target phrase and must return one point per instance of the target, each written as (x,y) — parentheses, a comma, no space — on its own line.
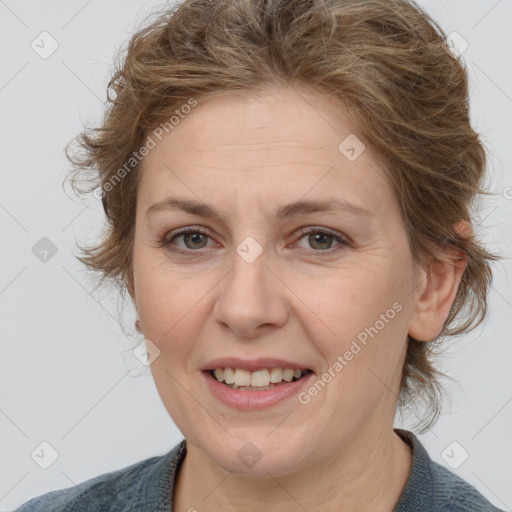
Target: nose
(252,299)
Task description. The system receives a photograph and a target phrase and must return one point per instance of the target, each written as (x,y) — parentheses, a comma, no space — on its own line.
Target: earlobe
(131,291)
(130,285)
(442,281)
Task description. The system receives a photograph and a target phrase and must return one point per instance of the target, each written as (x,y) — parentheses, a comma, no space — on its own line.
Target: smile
(255,397)
(238,378)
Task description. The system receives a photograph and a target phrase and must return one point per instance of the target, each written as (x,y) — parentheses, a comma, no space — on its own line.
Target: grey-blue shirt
(148,486)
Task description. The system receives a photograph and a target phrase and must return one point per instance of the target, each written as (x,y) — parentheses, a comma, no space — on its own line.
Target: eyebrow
(287,211)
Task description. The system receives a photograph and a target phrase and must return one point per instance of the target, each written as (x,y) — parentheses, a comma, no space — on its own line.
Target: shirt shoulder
(433,488)
(456,495)
(145,485)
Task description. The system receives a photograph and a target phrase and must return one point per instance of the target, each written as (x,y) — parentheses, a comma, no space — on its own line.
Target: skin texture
(303,299)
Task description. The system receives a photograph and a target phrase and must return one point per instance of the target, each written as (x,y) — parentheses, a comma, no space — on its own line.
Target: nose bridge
(250,296)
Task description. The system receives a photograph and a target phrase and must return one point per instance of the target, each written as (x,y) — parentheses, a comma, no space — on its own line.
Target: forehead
(259,145)
(282,119)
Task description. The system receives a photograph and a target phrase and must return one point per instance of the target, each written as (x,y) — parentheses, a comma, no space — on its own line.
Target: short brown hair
(386,60)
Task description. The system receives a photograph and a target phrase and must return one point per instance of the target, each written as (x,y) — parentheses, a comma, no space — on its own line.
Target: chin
(257,454)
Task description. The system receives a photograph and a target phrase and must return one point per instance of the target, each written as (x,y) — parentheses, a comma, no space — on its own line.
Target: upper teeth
(259,378)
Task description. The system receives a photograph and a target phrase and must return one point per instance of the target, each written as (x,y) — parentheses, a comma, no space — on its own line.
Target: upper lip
(252,365)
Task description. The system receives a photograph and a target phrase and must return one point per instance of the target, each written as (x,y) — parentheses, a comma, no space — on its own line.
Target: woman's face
(255,286)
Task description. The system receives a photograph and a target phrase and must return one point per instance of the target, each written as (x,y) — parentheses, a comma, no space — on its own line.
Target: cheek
(347,300)
(359,316)
(173,306)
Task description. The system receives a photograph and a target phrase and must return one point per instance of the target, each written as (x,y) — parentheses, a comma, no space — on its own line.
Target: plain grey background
(68,376)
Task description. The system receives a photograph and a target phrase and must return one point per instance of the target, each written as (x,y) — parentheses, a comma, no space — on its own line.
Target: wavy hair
(387,61)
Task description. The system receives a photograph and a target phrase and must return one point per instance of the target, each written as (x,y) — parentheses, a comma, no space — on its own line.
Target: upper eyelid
(302,230)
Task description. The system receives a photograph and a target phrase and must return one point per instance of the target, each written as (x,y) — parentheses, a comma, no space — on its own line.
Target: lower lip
(244,399)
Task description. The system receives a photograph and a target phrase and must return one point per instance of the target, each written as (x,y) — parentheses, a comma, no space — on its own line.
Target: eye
(321,239)
(194,238)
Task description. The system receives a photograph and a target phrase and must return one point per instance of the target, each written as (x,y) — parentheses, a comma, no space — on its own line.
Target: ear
(438,290)
(129,280)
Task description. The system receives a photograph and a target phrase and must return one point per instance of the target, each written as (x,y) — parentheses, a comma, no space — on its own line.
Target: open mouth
(259,380)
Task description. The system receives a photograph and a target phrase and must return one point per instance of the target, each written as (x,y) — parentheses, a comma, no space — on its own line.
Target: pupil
(196,237)
(320,236)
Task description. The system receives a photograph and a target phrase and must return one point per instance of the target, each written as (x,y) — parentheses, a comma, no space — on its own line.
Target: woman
(288,187)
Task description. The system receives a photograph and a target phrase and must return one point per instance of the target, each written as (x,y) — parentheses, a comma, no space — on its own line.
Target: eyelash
(303,232)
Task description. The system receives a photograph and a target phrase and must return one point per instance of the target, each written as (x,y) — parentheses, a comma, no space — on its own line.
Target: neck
(363,475)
